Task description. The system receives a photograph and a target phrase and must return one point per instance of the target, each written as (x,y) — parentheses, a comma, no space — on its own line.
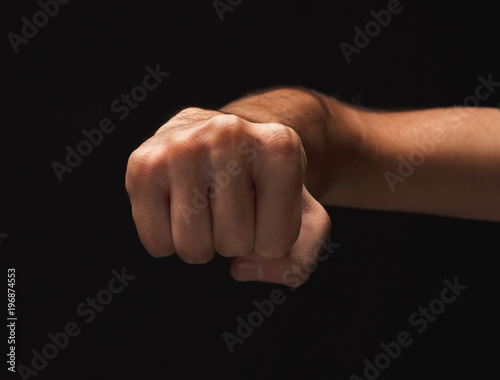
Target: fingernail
(248,270)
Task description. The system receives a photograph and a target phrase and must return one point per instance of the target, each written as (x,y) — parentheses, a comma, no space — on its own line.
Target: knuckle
(235,235)
(224,131)
(156,245)
(184,149)
(179,155)
(189,144)
(285,143)
(142,166)
(143,163)
(194,247)
(225,121)
(272,250)
(196,256)
(233,247)
(278,241)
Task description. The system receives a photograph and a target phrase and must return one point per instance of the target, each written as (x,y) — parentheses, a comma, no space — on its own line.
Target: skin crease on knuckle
(284,144)
(199,140)
(240,240)
(143,167)
(157,244)
(194,253)
(225,133)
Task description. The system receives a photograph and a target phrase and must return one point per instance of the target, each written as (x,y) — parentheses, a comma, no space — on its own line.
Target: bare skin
(248,181)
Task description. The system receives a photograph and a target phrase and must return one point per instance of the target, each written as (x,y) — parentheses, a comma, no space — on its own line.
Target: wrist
(361,145)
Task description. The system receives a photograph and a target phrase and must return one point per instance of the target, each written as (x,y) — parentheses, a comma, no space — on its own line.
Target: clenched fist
(210,182)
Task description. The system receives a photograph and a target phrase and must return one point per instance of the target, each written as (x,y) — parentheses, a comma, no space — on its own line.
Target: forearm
(441,161)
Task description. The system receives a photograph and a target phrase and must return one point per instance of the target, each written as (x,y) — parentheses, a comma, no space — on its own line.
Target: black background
(65,238)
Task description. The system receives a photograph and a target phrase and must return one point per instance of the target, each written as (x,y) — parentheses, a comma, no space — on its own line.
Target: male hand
(210,182)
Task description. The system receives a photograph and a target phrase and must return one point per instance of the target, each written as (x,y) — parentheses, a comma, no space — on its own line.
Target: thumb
(295,267)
